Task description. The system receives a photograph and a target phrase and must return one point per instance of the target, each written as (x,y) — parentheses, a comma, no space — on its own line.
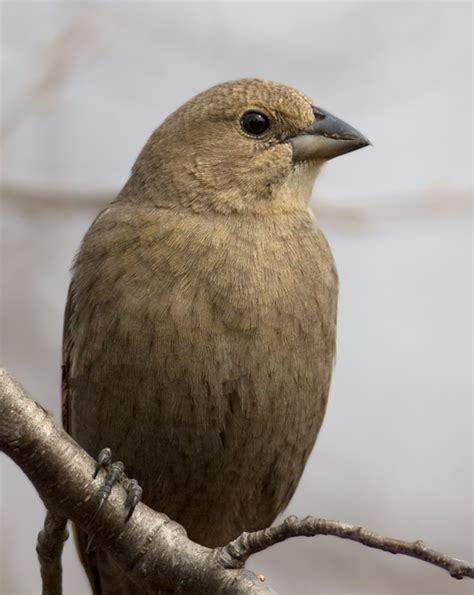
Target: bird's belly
(216,421)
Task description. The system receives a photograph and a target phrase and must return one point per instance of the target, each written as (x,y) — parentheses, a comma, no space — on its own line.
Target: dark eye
(254,123)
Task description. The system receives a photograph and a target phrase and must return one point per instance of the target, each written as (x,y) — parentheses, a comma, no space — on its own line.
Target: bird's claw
(134,495)
(115,474)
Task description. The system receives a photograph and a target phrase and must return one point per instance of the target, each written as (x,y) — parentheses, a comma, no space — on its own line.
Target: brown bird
(200,326)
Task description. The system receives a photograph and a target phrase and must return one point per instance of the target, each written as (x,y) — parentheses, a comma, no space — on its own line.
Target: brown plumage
(201,319)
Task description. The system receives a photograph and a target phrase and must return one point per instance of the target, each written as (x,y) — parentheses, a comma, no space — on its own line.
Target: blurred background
(83,86)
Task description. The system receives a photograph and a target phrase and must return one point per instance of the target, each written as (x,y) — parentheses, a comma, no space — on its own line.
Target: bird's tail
(105,577)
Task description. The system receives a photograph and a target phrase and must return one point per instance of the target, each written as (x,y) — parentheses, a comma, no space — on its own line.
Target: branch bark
(153,550)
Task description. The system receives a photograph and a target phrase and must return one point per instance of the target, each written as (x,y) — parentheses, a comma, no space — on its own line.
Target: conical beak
(326,138)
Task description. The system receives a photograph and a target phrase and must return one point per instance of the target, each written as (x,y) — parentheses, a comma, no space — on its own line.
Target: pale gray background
(84,84)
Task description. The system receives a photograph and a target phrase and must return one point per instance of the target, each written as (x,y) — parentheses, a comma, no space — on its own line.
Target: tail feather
(89,561)
(105,577)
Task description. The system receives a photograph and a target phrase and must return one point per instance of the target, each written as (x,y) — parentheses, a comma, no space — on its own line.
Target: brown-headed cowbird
(200,325)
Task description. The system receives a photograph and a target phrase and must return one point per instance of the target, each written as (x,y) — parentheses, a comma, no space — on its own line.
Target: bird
(200,324)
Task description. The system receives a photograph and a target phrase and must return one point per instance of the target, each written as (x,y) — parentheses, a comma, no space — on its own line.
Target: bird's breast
(208,347)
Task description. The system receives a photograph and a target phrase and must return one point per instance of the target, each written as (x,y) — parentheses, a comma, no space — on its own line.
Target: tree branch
(49,548)
(239,550)
(150,548)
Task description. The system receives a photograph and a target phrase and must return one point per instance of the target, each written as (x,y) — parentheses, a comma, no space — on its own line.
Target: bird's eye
(254,123)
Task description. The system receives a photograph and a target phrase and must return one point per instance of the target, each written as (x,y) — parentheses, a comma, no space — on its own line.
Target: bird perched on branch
(200,326)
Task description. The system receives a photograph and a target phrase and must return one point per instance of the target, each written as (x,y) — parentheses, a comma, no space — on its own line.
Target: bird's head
(243,146)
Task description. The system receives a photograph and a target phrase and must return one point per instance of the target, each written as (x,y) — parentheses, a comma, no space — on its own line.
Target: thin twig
(49,548)
(235,554)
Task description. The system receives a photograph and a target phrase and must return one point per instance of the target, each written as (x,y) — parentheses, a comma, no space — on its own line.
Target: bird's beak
(326,138)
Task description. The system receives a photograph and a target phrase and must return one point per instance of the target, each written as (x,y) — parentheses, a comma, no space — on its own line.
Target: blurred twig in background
(429,204)
(81,40)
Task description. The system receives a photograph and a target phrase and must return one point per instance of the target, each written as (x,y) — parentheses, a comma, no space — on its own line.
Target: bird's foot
(115,474)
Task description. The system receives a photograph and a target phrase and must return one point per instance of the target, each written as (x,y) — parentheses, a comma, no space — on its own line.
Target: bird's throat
(295,190)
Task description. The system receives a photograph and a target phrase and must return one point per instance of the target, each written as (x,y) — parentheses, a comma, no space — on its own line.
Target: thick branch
(151,549)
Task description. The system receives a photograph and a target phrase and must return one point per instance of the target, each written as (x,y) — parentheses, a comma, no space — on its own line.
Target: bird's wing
(66,360)
(88,559)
